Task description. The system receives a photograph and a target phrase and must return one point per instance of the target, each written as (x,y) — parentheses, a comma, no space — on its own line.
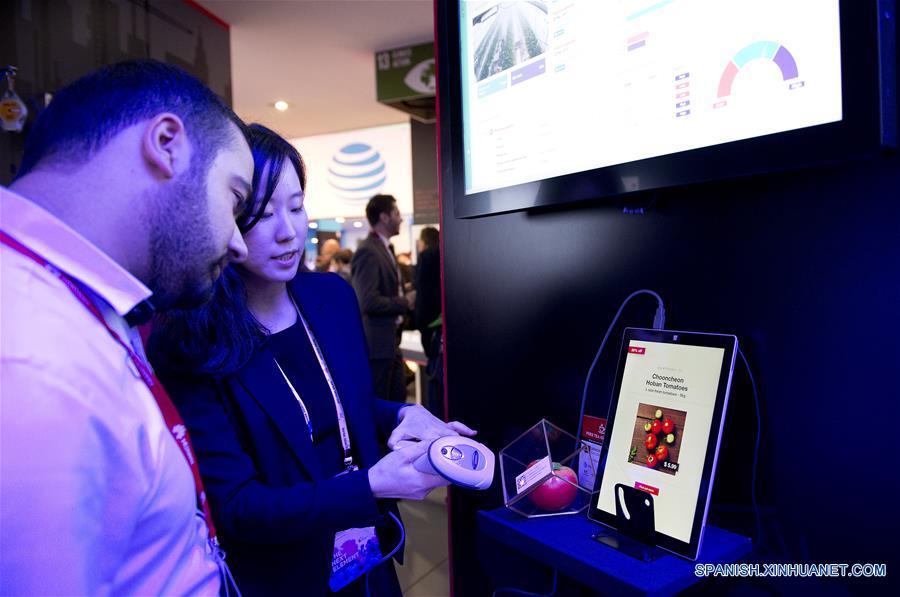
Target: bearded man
(124,205)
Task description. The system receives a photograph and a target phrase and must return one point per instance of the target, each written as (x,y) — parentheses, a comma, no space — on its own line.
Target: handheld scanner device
(460,460)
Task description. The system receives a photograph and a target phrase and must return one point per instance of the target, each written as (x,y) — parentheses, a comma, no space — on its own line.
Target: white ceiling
(319,56)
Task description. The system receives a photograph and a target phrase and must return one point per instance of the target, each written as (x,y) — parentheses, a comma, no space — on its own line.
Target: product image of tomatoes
(661,432)
(554,493)
(662,453)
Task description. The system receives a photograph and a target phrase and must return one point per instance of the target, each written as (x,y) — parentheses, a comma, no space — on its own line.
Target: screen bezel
(868,125)
(689,549)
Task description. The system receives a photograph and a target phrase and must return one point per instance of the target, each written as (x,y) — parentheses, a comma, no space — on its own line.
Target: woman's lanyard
(338,407)
(173,420)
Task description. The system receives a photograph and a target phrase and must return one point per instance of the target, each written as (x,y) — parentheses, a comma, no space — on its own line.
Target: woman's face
(275,243)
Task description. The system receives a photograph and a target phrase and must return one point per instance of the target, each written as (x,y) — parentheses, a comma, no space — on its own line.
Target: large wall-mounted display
(799,264)
(644,94)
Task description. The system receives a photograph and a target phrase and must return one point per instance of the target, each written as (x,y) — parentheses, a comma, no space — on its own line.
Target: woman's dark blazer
(275,510)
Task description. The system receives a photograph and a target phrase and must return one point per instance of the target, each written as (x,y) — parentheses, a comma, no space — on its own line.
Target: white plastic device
(460,460)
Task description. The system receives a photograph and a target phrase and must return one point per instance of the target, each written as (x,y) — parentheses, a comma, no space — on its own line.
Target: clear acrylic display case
(538,470)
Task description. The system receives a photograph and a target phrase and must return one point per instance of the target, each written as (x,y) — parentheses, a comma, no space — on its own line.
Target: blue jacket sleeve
(243,506)
(386,413)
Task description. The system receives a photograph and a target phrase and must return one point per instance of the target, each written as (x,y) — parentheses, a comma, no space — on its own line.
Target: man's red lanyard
(173,420)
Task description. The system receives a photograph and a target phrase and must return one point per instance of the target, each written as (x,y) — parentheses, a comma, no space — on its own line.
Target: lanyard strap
(338,407)
(306,418)
(173,420)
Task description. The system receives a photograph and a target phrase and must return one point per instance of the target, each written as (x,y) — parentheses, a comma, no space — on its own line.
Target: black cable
(753,501)
(529,593)
(659,322)
(390,555)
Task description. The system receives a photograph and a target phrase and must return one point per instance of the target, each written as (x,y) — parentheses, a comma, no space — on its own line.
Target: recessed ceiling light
(357,224)
(281,105)
(314,241)
(340,220)
(313,225)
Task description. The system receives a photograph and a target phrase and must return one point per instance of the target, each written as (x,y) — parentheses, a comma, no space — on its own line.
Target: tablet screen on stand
(663,431)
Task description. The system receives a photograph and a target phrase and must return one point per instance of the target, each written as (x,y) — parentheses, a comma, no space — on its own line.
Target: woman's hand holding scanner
(395,477)
(417,424)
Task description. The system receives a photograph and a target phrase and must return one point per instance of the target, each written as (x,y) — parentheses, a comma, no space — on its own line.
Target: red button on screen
(647,488)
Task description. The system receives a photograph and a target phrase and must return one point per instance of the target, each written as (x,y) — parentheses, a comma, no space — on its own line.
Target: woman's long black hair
(221,336)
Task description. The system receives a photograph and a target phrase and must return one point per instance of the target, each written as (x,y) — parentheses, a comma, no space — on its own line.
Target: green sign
(405,73)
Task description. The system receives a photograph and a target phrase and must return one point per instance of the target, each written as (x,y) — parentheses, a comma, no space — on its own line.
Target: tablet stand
(635,519)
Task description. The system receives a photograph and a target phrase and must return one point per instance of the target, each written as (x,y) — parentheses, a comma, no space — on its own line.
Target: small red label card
(593,429)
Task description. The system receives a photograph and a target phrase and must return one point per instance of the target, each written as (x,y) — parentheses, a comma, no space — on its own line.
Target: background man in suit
(382,301)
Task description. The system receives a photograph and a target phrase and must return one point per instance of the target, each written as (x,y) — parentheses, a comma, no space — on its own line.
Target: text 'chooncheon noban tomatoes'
(554,493)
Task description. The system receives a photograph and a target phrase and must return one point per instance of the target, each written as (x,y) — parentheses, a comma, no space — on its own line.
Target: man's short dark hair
(85,115)
(377,205)
(344,256)
(430,236)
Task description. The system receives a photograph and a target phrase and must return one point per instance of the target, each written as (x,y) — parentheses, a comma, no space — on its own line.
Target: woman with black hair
(272,380)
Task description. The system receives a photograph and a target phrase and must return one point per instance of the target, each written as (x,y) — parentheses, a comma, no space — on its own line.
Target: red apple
(554,493)
(668,426)
(650,442)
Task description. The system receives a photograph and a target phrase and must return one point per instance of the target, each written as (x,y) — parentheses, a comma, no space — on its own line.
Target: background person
(327,250)
(134,206)
(407,273)
(340,264)
(428,285)
(252,373)
(382,301)
(428,309)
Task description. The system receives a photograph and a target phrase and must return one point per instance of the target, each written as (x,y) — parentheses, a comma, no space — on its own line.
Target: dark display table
(566,543)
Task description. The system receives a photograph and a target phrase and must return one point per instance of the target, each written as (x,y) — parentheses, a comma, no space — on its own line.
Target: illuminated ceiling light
(340,220)
(357,224)
(314,241)
(313,225)
(281,105)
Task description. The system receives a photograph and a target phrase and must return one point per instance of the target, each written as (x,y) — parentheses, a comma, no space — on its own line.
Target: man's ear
(165,146)
(384,218)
